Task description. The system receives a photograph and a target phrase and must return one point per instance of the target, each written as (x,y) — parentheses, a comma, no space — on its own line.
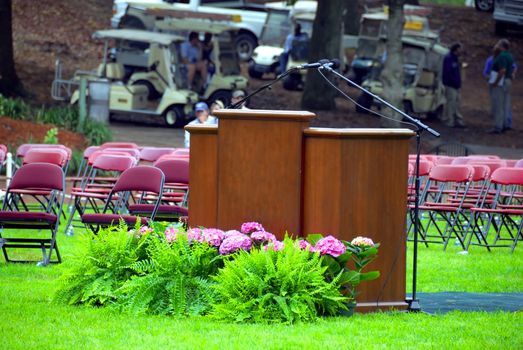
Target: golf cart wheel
(174,116)
(253,73)
(436,114)
(364,102)
(484,5)
(245,44)
(222,95)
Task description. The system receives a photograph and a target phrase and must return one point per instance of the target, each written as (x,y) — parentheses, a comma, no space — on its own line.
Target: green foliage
(62,117)
(276,286)
(173,280)
(102,264)
(51,136)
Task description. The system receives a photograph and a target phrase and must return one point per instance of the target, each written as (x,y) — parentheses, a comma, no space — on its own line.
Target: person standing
(500,86)
(202,117)
(287,47)
(451,77)
(486,73)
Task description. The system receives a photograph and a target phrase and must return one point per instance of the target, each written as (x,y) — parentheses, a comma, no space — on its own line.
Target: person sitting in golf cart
(192,57)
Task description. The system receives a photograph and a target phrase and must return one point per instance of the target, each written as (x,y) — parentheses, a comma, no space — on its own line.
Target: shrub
(63,117)
(102,263)
(174,279)
(270,286)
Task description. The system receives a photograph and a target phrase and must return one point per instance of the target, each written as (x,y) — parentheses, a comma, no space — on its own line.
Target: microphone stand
(414,305)
(238,104)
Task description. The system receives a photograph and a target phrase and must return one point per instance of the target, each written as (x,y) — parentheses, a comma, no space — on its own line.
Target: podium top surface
(263,114)
(358,132)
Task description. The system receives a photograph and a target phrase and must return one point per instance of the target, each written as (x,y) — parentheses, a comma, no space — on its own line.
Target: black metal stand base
(414,305)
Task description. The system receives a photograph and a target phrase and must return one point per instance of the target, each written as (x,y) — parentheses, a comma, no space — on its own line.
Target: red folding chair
(50,179)
(151,154)
(444,202)
(93,193)
(119,145)
(133,184)
(173,203)
(504,215)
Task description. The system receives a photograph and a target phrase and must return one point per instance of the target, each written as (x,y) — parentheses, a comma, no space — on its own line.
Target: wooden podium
(270,167)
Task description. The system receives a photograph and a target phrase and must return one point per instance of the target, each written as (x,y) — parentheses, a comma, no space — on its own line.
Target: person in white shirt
(202,117)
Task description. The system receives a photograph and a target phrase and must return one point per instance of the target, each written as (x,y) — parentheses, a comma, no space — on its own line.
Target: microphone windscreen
(335,63)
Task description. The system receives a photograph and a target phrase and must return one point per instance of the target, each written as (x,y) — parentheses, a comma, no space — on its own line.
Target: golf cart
(423,91)
(137,76)
(224,66)
(373,36)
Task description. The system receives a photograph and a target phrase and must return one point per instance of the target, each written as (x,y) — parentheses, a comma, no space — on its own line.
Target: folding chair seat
(132,184)
(151,154)
(93,193)
(505,214)
(176,189)
(444,202)
(50,179)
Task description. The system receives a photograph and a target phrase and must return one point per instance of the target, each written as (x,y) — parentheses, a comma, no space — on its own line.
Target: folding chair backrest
(451,173)
(442,160)
(151,154)
(183,152)
(140,178)
(175,170)
(38,176)
(424,167)
(23,149)
(2,156)
(90,150)
(130,151)
(519,164)
(119,145)
(507,176)
(114,162)
(493,164)
(42,155)
(481,172)
(92,158)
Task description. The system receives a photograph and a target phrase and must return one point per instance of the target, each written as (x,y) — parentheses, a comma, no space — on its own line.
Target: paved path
(449,301)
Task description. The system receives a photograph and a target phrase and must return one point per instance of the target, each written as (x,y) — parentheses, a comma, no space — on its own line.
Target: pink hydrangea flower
(171,233)
(274,245)
(304,245)
(232,233)
(362,241)
(262,236)
(144,230)
(195,234)
(248,227)
(234,243)
(213,236)
(331,246)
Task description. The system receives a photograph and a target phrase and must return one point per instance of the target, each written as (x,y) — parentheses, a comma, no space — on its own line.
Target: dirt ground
(62,29)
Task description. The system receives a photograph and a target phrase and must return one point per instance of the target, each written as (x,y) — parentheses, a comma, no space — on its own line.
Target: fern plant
(101,264)
(174,280)
(275,286)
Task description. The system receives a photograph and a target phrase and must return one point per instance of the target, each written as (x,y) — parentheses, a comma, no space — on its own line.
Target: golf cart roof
(196,25)
(137,35)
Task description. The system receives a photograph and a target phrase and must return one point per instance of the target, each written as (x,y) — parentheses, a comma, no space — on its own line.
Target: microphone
(334,64)
(318,64)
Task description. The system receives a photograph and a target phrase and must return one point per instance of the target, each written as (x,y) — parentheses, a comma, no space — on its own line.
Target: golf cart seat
(114,71)
(425,83)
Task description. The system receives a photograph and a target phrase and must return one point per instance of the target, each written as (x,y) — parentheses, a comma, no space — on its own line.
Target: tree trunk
(325,43)
(351,19)
(9,83)
(392,74)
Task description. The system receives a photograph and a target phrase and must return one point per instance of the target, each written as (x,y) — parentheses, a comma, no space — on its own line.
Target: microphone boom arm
(415,121)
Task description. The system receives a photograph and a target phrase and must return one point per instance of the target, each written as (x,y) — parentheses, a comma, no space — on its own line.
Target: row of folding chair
(450,196)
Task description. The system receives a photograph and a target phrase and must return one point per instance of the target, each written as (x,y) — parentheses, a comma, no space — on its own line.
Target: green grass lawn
(30,321)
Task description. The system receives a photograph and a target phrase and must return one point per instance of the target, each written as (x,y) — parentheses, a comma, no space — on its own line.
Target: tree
(325,43)
(392,74)
(9,83)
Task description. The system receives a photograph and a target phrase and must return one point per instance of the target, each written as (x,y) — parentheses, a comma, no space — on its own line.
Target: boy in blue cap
(202,117)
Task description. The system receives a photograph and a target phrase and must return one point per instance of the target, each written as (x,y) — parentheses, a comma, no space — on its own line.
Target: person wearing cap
(202,117)
(237,96)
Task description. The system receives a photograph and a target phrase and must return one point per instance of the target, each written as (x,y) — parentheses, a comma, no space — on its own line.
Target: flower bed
(238,276)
